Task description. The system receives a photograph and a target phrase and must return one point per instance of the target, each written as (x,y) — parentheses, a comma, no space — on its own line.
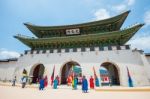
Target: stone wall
(122,57)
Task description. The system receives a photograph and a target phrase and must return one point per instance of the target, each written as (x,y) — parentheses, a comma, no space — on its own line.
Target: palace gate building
(95,44)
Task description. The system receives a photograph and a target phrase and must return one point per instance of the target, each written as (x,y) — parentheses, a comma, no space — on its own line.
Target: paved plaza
(64,92)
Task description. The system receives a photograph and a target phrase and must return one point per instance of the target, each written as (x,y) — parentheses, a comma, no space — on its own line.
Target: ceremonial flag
(24,73)
(52,76)
(130,82)
(95,76)
(72,72)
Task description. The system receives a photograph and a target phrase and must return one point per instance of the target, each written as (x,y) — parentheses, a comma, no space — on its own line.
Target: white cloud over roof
(123,5)
(130,2)
(140,42)
(5,54)
(101,14)
(147,18)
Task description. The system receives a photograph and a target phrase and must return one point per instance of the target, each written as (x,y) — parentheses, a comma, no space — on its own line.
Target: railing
(24,36)
(82,49)
(130,26)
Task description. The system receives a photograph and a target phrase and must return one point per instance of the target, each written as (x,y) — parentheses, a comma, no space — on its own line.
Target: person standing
(58,79)
(45,81)
(55,83)
(69,80)
(24,81)
(91,82)
(75,83)
(84,85)
(41,82)
(97,82)
(14,81)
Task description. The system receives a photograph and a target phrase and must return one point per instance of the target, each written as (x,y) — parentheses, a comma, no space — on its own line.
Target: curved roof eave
(104,21)
(34,28)
(126,34)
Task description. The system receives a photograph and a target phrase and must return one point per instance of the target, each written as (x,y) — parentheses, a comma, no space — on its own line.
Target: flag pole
(52,76)
(130,82)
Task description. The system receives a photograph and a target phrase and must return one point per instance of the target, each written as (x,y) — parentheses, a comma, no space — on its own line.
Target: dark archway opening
(67,70)
(112,73)
(38,73)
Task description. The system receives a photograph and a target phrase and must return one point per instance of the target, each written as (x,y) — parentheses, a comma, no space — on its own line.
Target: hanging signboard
(72,31)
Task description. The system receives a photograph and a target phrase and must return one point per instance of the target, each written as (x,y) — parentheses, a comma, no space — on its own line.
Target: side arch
(36,72)
(113,72)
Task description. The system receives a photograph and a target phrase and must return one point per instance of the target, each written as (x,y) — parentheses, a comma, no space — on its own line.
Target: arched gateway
(67,70)
(113,72)
(37,72)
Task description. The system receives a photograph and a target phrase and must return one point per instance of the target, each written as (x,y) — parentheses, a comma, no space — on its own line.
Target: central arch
(37,72)
(66,70)
(113,72)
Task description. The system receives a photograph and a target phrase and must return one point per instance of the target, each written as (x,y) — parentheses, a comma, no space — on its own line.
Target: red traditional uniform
(92,83)
(69,80)
(45,81)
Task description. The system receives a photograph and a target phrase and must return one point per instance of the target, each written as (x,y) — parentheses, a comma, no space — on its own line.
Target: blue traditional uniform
(85,85)
(41,84)
(55,84)
(97,82)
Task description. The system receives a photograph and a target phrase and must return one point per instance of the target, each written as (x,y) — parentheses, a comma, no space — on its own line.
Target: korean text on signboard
(72,31)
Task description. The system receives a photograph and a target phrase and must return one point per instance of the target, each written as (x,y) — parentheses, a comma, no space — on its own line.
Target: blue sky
(13,13)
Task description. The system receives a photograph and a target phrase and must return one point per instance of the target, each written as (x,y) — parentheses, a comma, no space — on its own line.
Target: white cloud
(5,54)
(141,42)
(101,14)
(130,2)
(119,8)
(123,5)
(147,18)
